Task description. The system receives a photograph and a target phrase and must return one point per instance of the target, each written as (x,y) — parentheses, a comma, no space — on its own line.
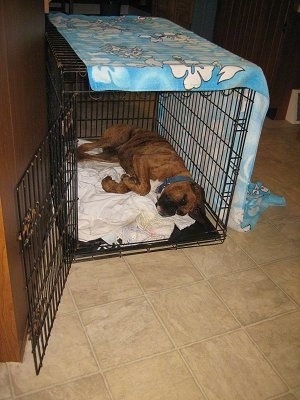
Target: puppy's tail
(84,148)
(106,155)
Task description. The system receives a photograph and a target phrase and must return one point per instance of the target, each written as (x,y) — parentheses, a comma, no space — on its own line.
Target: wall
(204,18)
(266,33)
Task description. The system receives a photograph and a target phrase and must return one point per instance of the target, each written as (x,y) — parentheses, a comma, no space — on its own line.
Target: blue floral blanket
(153,54)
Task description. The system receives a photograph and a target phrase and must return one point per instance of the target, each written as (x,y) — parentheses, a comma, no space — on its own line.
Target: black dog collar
(174,179)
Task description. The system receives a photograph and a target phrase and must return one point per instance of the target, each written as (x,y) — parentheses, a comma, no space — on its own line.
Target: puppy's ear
(198,212)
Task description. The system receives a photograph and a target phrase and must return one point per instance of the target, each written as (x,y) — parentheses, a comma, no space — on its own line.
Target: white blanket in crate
(128,217)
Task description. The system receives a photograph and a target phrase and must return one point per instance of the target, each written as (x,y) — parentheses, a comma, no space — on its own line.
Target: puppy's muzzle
(165,213)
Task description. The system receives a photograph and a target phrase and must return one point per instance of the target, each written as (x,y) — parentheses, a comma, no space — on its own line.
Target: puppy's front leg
(141,188)
(111,186)
(140,183)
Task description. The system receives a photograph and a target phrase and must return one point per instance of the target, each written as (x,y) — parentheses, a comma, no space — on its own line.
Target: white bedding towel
(128,217)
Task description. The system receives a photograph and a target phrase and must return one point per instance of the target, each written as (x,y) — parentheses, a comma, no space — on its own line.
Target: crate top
(135,53)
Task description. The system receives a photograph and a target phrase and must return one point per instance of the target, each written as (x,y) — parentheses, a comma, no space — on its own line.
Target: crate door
(47,203)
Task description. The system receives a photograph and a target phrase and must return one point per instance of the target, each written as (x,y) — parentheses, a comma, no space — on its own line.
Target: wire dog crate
(207,129)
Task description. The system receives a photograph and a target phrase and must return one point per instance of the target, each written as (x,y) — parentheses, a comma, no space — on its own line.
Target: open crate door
(47,203)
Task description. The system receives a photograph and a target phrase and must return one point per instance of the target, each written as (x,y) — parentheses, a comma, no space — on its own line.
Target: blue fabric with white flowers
(153,54)
(259,198)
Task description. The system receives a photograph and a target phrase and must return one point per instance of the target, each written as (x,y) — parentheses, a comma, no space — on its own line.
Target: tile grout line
(240,328)
(206,278)
(74,379)
(10,379)
(244,329)
(55,385)
(277,373)
(175,348)
(265,318)
(279,287)
(92,348)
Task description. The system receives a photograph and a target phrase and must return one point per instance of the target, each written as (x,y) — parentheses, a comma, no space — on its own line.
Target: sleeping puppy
(145,156)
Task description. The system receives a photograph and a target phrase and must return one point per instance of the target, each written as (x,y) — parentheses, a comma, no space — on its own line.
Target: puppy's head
(182,198)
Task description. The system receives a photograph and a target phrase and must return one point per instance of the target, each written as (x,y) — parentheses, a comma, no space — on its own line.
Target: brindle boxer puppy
(144,155)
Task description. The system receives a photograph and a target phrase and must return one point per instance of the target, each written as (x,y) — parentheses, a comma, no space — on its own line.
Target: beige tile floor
(218,322)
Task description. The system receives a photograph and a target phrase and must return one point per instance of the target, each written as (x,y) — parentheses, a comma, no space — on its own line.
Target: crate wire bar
(46,196)
(207,129)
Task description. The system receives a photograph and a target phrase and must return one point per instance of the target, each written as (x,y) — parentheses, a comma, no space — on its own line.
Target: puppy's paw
(111,186)
(131,180)
(108,183)
(124,177)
